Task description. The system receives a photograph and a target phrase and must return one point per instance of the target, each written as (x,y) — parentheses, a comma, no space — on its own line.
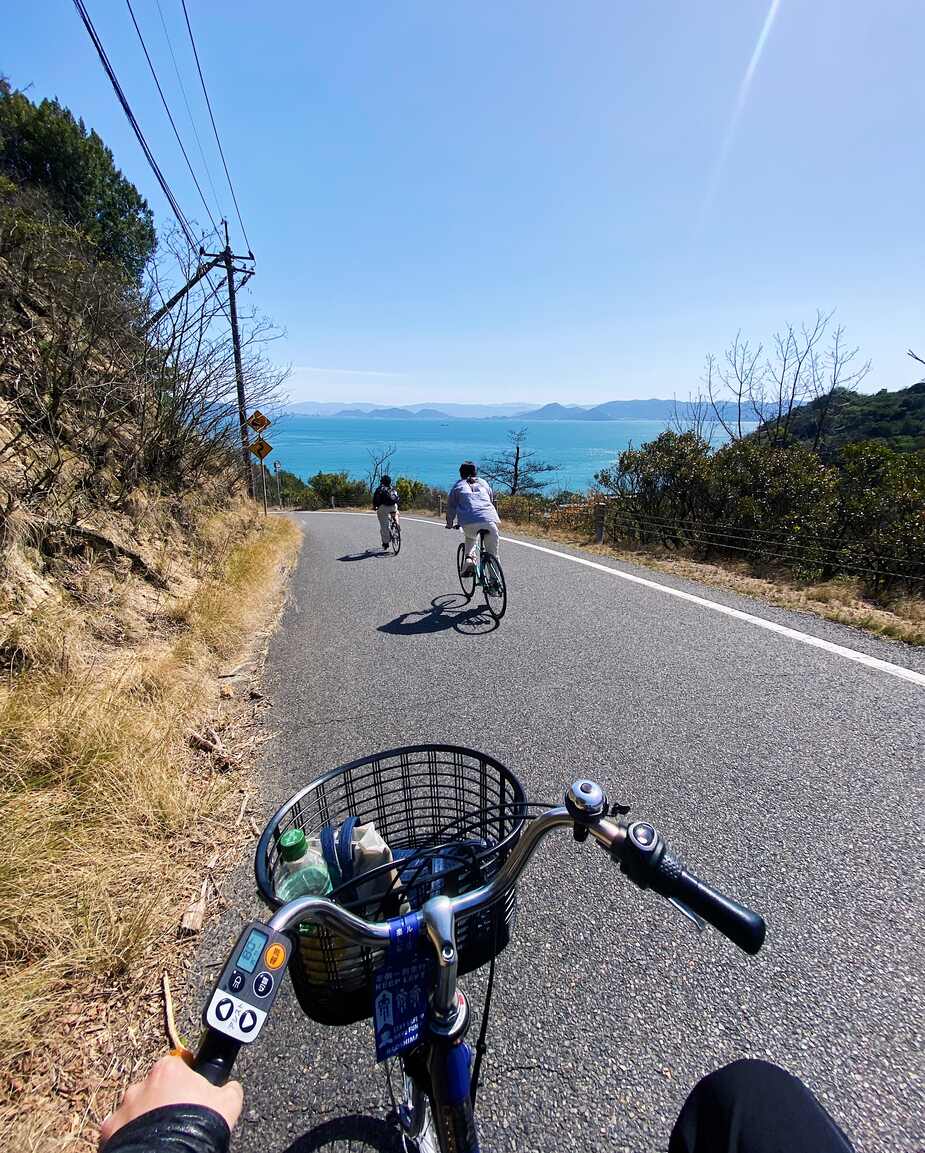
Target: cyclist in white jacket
(472,503)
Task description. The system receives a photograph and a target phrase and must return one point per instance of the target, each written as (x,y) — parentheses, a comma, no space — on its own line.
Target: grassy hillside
(894,419)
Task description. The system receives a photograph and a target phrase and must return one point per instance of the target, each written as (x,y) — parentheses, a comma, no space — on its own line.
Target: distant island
(652,409)
(432,411)
(395,413)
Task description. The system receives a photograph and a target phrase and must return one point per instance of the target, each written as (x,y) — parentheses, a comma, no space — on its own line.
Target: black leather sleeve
(172,1129)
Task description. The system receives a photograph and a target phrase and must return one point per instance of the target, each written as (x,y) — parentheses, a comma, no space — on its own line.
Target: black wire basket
(450,815)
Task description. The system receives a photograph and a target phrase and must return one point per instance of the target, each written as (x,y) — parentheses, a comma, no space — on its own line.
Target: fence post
(599,524)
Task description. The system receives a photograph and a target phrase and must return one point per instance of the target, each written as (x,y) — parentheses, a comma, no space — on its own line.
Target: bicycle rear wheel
(494,587)
(466,583)
(395,537)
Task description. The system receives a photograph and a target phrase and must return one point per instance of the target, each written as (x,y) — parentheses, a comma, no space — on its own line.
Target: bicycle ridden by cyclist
(471,502)
(746,1107)
(385,502)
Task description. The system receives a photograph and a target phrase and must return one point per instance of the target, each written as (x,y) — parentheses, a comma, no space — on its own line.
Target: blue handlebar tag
(400,989)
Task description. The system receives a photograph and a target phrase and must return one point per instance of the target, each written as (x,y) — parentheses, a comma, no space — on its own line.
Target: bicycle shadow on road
(449,611)
(356,1133)
(368,554)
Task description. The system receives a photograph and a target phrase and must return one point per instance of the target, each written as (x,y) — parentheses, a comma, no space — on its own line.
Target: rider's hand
(172,1082)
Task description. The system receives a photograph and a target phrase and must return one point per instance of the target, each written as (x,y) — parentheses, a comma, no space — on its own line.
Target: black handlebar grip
(216,1057)
(740,924)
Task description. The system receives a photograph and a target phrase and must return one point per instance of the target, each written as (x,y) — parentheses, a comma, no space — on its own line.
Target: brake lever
(696,920)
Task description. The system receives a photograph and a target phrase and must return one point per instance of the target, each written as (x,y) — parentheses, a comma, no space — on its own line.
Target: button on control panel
(234,1017)
(263,984)
(249,984)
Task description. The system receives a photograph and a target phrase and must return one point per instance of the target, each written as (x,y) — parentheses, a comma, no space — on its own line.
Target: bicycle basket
(450,816)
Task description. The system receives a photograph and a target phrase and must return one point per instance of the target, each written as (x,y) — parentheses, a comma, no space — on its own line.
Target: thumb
(231,1102)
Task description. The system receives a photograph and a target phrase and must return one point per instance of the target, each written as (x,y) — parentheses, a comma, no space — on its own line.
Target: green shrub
(881,510)
(340,488)
(776,503)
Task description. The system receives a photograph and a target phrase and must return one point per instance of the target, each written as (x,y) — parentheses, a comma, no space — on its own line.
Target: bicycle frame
(479,561)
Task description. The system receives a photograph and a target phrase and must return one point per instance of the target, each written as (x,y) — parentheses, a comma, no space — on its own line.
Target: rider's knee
(744,1077)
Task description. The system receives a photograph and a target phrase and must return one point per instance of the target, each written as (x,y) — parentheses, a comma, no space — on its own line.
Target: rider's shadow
(355,1133)
(368,554)
(446,612)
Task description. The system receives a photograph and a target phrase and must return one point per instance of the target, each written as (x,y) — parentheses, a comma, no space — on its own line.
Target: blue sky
(533,201)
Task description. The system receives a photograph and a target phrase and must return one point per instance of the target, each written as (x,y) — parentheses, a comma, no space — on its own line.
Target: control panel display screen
(253,947)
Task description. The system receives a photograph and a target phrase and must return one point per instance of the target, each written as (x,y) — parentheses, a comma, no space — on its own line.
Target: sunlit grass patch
(106,817)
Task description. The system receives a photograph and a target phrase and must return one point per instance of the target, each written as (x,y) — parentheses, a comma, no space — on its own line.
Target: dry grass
(106,816)
(901,618)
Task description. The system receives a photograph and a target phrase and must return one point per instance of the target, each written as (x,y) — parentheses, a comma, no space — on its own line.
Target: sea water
(432,450)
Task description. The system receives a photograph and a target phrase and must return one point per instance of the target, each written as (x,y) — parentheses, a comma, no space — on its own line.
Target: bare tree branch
(517,470)
(380,461)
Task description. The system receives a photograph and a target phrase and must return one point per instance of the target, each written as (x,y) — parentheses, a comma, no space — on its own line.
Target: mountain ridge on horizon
(652,408)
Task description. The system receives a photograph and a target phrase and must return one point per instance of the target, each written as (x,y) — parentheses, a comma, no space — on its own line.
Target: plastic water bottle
(301,872)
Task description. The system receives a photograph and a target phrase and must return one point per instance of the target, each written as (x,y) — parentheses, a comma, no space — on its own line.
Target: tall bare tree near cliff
(745,386)
(517,470)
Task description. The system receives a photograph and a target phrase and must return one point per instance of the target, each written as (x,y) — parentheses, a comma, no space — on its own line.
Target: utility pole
(228,258)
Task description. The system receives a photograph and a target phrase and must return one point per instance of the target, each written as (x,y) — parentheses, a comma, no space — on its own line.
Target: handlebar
(216,1057)
(636,846)
(645,859)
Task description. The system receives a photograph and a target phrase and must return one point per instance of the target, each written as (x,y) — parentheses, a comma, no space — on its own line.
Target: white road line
(772,626)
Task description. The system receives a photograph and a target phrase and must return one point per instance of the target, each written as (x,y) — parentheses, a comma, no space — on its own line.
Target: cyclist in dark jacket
(385,502)
(746,1107)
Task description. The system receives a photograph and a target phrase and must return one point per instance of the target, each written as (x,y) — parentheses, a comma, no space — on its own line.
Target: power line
(126,108)
(136,128)
(221,151)
(189,112)
(149,155)
(169,114)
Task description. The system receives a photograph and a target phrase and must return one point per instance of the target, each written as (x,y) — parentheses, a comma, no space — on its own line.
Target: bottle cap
(292,845)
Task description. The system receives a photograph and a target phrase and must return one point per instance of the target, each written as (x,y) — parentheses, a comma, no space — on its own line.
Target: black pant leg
(754,1107)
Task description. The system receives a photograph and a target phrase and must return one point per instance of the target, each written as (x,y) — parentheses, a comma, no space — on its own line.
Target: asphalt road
(787,775)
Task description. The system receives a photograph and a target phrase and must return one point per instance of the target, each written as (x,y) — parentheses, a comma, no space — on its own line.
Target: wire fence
(881,557)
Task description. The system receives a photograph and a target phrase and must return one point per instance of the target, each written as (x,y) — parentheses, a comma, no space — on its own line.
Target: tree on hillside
(749,385)
(44,148)
(517,471)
